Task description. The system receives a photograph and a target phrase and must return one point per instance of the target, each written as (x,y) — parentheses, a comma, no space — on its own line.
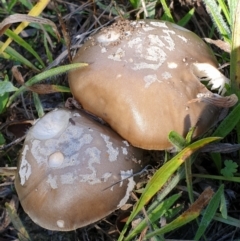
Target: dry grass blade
(7,171)
(189,215)
(5,219)
(16,18)
(17,223)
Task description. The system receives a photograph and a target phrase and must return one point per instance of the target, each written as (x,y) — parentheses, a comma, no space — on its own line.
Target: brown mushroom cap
(140,80)
(66,169)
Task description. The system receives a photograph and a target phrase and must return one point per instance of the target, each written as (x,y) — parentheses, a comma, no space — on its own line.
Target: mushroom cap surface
(140,81)
(67,167)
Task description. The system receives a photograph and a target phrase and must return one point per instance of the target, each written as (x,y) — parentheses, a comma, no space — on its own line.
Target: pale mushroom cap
(61,178)
(140,81)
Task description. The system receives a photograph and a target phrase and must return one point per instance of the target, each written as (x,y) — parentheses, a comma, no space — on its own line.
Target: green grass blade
(24,44)
(38,105)
(177,140)
(209,213)
(162,175)
(182,22)
(188,171)
(215,177)
(235,53)
(225,10)
(3,102)
(228,124)
(223,206)
(48,52)
(44,75)
(232,8)
(154,215)
(14,55)
(229,220)
(135,3)
(192,213)
(172,183)
(167,12)
(218,19)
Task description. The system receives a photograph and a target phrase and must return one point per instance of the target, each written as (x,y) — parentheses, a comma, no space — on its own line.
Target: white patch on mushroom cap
(166,75)
(147,28)
(108,37)
(76,115)
(55,159)
(106,176)
(159,24)
(168,39)
(149,79)
(155,40)
(124,150)
(130,187)
(60,223)
(67,178)
(103,50)
(52,181)
(120,53)
(112,152)
(25,167)
(152,52)
(125,143)
(51,125)
(132,43)
(94,158)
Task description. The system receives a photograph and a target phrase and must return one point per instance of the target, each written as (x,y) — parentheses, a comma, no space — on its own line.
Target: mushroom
(144,78)
(74,171)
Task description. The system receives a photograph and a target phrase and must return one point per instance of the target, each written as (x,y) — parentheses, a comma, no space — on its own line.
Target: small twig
(133,175)
(12,143)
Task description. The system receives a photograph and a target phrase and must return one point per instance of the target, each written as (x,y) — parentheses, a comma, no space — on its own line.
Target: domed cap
(67,169)
(142,77)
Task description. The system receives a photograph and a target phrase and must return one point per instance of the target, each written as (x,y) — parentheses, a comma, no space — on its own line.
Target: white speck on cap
(172,65)
(55,159)
(60,223)
(182,38)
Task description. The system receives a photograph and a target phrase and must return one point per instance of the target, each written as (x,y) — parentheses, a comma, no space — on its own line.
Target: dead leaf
(43,88)
(201,202)
(217,100)
(220,44)
(15,18)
